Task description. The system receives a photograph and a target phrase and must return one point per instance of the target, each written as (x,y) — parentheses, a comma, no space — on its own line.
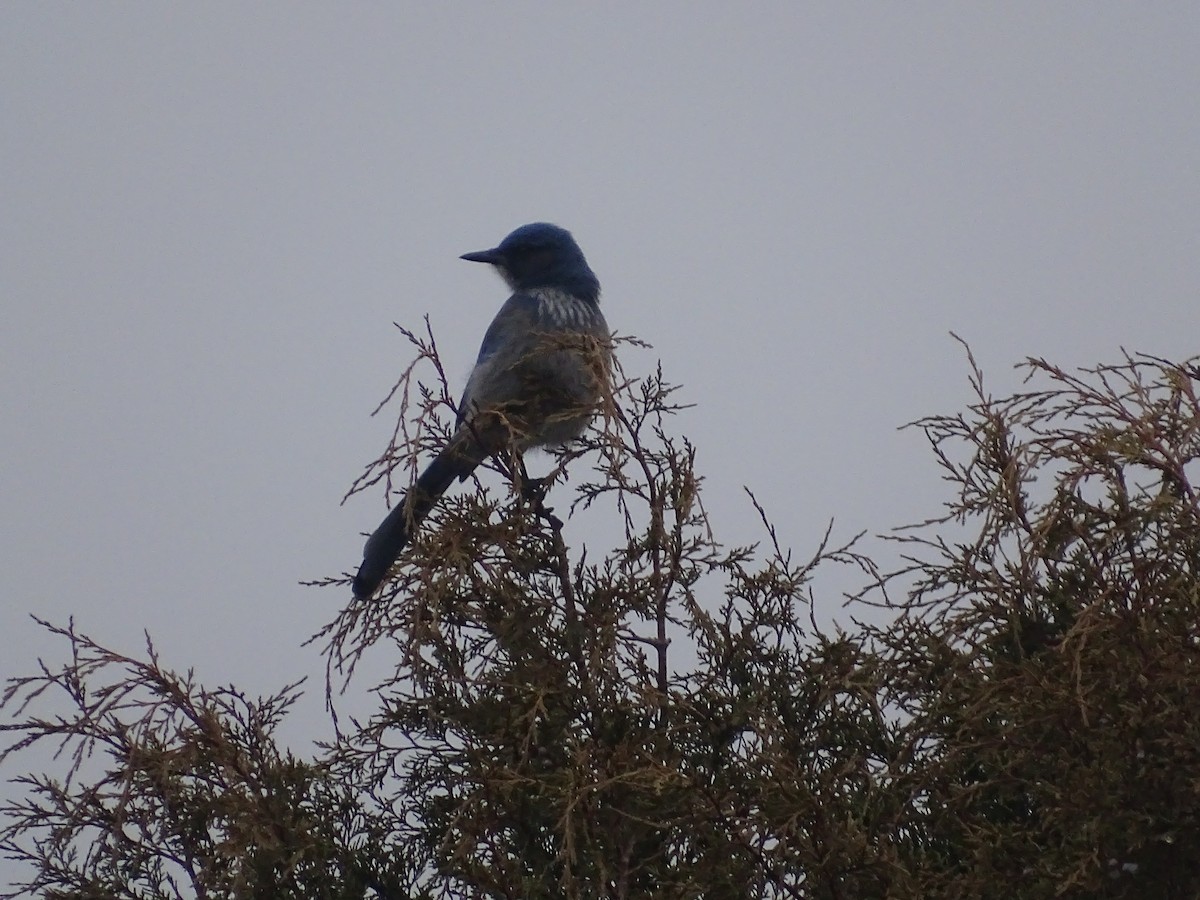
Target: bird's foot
(534,490)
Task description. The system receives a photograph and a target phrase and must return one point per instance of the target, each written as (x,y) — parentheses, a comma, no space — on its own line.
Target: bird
(541,372)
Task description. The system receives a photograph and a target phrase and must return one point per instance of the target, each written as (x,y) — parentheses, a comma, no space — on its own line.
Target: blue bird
(541,372)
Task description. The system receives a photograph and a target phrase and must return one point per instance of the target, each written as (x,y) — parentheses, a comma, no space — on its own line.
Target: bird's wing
(514,320)
(508,335)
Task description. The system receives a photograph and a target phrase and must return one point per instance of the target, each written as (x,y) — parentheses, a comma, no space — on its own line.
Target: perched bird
(539,376)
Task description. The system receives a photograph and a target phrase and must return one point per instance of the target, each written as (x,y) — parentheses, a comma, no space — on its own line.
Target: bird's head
(541,255)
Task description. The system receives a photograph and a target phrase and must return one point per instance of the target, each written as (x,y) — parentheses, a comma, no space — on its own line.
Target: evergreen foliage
(666,718)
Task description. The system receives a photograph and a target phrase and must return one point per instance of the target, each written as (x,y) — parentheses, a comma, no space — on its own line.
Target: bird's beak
(484,256)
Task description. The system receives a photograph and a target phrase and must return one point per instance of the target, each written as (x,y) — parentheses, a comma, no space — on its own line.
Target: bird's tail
(457,461)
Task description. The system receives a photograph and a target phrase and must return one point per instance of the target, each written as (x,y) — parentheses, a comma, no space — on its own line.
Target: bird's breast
(562,310)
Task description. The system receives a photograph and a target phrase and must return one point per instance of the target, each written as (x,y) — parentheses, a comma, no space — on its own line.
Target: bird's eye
(537,258)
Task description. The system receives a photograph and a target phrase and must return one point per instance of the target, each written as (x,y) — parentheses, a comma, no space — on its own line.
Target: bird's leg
(532,489)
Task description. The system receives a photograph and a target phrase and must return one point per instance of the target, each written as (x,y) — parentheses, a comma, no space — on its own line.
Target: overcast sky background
(212,214)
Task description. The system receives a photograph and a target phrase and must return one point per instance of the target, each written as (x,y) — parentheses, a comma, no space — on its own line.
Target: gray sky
(212,214)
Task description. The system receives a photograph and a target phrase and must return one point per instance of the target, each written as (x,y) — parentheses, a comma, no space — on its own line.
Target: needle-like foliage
(653,714)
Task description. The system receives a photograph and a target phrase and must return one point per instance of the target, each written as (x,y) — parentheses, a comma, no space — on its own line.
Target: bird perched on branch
(541,372)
